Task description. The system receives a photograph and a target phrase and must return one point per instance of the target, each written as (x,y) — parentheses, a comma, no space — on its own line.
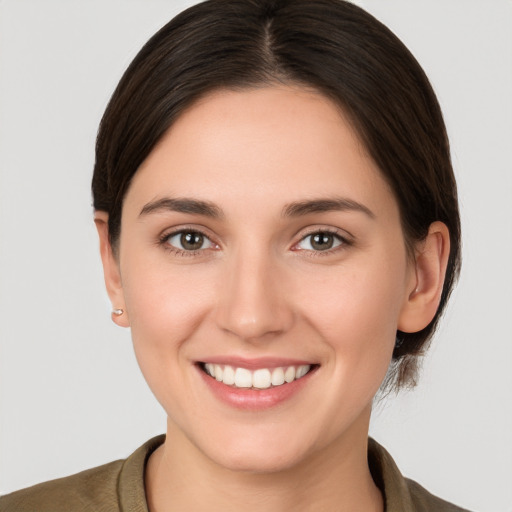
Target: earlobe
(111,271)
(426,285)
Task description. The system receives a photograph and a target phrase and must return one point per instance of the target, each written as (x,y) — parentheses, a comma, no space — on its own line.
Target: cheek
(165,303)
(356,311)
(355,303)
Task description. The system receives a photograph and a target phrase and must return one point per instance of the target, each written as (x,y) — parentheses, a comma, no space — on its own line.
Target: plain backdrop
(71,394)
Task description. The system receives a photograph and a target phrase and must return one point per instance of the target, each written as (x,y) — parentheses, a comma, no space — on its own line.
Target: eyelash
(164,242)
(344,242)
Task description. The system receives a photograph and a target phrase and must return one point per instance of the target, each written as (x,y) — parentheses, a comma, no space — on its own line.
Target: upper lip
(255,363)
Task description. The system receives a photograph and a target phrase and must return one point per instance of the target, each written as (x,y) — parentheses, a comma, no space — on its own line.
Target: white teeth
(243,378)
(262,378)
(302,370)
(277,377)
(289,374)
(229,375)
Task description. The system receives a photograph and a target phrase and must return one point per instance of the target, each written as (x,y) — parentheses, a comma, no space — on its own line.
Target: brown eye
(189,241)
(321,241)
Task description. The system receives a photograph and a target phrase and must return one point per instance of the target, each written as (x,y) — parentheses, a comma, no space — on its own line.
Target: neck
(180,477)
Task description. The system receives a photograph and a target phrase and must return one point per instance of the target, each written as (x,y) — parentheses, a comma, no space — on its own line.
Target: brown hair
(329,45)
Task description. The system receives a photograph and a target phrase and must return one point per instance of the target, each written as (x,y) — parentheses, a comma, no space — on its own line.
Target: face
(264,274)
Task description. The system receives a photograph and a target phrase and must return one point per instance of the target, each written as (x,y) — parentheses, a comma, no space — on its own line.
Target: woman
(279,228)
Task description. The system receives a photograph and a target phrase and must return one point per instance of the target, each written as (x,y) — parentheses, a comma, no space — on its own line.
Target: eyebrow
(300,208)
(295,209)
(182,205)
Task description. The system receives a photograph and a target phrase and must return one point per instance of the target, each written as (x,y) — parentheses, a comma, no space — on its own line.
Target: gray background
(71,395)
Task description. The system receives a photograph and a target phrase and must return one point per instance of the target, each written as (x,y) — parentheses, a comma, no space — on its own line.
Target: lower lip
(254,399)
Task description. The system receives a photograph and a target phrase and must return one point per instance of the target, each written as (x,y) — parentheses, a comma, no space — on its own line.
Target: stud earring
(117,312)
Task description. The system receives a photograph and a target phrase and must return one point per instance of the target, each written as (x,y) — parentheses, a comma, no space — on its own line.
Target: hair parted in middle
(329,46)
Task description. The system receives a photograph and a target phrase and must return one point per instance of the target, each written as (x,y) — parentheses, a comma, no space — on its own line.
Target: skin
(256,288)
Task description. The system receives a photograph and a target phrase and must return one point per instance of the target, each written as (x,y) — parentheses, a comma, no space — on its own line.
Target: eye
(320,241)
(189,241)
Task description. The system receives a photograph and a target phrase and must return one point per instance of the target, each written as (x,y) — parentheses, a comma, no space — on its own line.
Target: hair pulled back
(331,46)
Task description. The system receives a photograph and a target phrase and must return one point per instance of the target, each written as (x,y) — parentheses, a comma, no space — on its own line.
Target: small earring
(117,312)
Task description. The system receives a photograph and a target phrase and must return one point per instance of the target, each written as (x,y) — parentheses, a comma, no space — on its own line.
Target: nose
(252,303)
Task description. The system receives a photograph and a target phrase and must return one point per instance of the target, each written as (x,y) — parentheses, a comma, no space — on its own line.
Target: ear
(427,279)
(111,271)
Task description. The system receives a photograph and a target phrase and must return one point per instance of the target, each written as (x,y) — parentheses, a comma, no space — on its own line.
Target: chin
(250,461)
(249,452)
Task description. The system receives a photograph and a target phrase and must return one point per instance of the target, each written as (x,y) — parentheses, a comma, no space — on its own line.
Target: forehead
(275,143)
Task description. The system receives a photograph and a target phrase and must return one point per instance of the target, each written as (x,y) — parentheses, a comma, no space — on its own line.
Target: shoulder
(91,490)
(425,502)
(112,487)
(402,494)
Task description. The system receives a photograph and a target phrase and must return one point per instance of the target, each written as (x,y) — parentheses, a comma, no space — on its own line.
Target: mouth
(257,379)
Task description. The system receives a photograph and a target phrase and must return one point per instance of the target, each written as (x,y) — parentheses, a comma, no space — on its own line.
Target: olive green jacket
(119,487)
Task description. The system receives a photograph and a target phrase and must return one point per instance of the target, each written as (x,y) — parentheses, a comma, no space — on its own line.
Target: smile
(261,378)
